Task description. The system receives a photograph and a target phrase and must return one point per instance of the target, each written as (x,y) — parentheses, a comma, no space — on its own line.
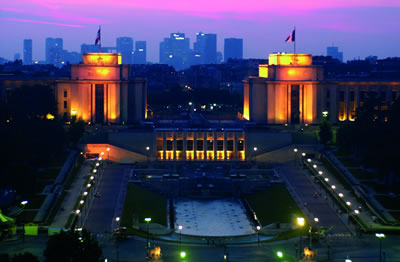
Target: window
(220,145)
(240,145)
(65,104)
(179,145)
(159,145)
(229,145)
(189,145)
(169,145)
(352,96)
(200,145)
(65,94)
(341,95)
(210,145)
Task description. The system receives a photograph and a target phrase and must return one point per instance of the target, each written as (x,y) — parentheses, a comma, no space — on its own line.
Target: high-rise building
(17,56)
(125,47)
(27,51)
(175,51)
(333,51)
(54,50)
(233,48)
(140,52)
(205,48)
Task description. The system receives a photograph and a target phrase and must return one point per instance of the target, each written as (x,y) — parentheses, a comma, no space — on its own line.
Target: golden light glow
(220,155)
(210,155)
(263,71)
(102,71)
(74,112)
(189,155)
(342,112)
(229,155)
(169,155)
(200,155)
(241,155)
(290,59)
(179,155)
(246,102)
(160,155)
(49,116)
(101,59)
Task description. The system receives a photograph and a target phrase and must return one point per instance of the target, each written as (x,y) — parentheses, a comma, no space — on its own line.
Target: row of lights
(91,180)
(326,179)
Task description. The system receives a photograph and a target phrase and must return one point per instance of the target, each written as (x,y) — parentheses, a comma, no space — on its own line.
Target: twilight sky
(358,27)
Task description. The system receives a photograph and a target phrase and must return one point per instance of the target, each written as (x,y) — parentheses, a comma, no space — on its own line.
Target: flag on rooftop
(98,37)
(291,37)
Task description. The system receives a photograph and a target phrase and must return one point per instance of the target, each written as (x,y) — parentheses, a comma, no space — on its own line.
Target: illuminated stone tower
(284,92)
(101,91)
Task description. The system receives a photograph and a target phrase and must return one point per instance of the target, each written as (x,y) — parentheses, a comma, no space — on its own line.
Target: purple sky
(358,27)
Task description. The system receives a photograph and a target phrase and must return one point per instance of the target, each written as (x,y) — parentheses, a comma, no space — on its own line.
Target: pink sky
(358,27)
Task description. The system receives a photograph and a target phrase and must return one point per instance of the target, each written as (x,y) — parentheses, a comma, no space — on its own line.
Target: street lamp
(300,223)
(108,153)
(148,151)
(148,220)
(180,233)
(279,254)
(380,236)
(325,113)
(255,157)
(295,150)
(258,234)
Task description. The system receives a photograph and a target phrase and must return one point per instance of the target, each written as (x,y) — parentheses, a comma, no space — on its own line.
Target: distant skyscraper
(333,51)
(206,48)
(140,52)
(27,51)
(233,48)
(54,50)
(125,47)
(175,51)
(17,56)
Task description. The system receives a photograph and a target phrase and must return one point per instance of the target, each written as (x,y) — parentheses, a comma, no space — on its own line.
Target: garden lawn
(145,204)
(273,205)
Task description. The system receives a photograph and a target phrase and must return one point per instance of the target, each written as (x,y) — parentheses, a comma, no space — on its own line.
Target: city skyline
(262,25)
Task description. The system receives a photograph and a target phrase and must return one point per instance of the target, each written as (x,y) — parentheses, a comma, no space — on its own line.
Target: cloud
(38,22)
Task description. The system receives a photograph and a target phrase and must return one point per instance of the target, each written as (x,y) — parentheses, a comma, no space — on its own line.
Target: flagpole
(294,42)
(100,39)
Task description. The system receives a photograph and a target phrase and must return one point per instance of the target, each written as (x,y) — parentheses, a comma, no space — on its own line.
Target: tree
(25,257)
(325,132)
(76,130)
(72,246)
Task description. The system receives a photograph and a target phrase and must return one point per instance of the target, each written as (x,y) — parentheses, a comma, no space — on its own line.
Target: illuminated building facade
(200,144)
(100,91)
(291,90)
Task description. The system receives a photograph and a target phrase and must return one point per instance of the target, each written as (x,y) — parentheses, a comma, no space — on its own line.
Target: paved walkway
(67,207)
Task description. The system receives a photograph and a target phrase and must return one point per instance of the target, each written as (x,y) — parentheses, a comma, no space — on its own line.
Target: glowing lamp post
(258,234)
(148,153)
(255,149)
(180,227)
(300,223)
(279,254)
(108,153)
(380,236)
(148,220)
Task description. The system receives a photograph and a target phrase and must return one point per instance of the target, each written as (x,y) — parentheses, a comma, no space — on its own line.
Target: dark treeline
(374,137)
(31,138)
